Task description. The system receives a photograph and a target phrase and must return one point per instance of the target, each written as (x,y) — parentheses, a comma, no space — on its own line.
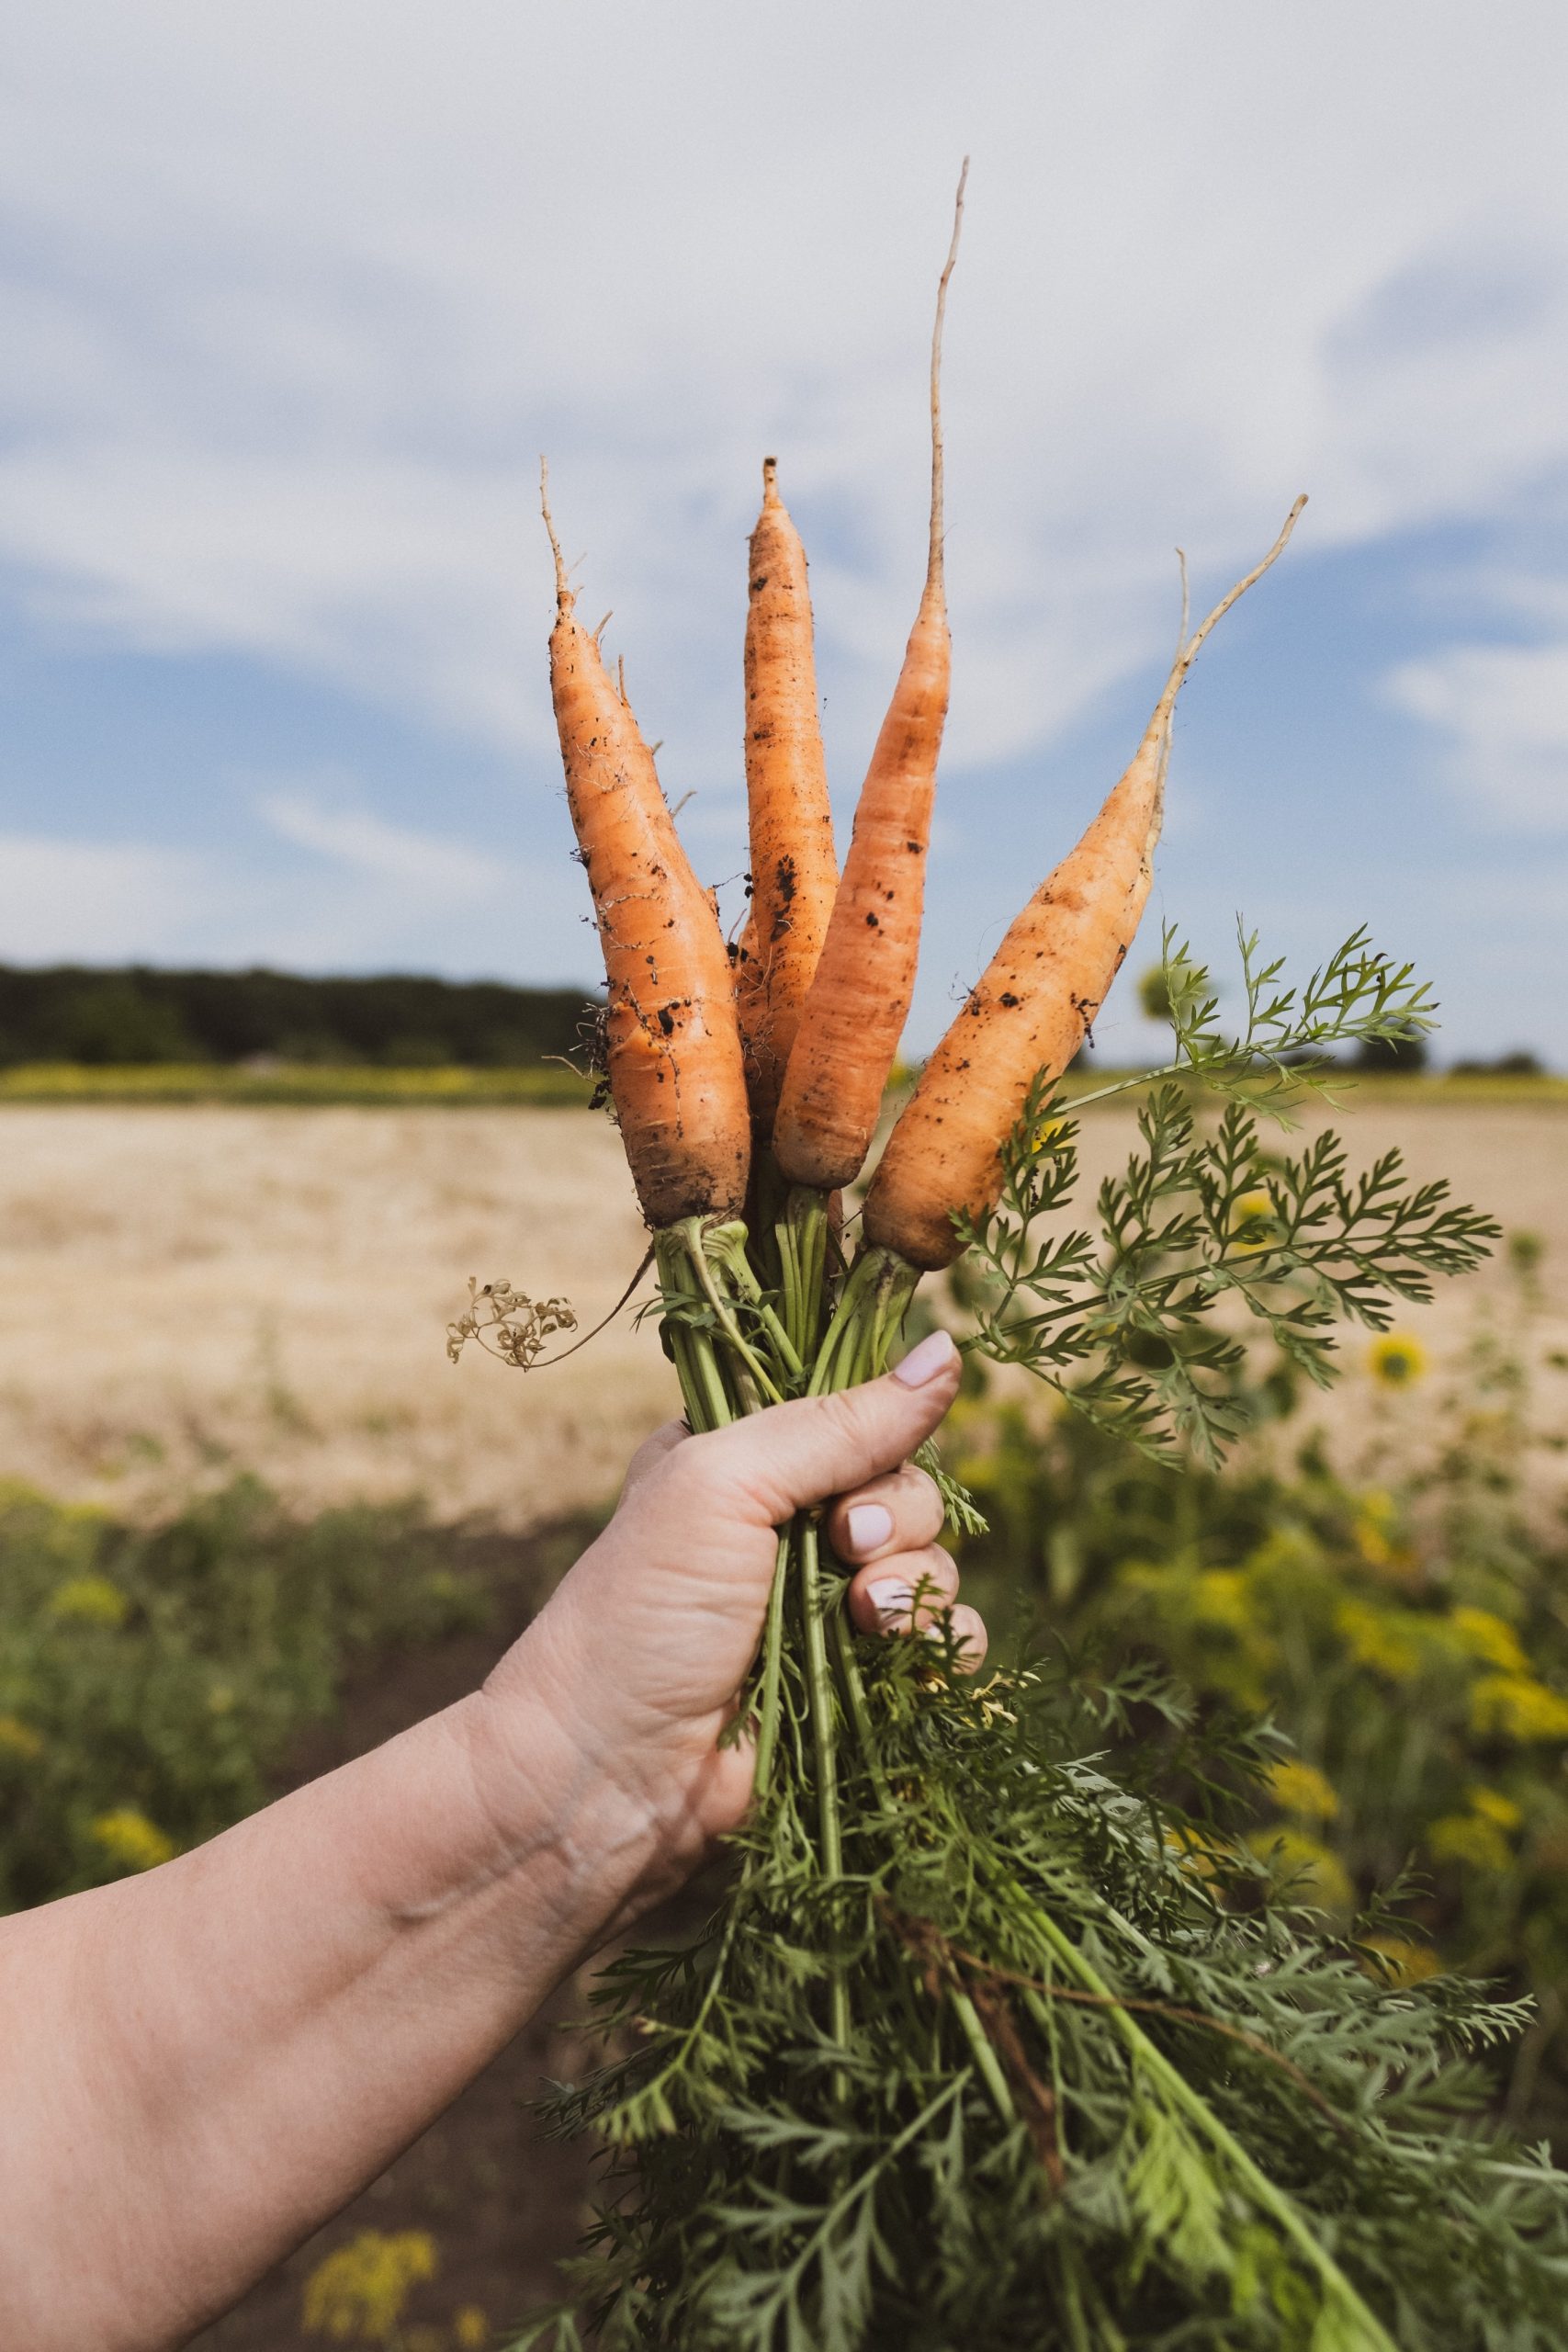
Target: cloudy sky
(292,295)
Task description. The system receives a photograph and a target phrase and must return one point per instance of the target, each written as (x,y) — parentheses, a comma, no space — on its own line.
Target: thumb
(792,1455)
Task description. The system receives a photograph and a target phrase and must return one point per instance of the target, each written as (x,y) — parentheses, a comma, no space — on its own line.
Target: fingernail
(934,1353)
(869,1526)
(891,1598)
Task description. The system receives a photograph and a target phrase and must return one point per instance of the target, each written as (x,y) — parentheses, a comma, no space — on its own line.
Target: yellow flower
(1197,1854)
(470,2328)
(1253,1221)
(1220,1597)
(89,1601)
(1305,1867)
(1490,1638)
(1375,1637)
(359,2294)
(1302,1789)
(1515,1706)
(1465,1838)
(18,1739)
(1396,1360)
(128,1836)
(1405,1962)
(1493,1805)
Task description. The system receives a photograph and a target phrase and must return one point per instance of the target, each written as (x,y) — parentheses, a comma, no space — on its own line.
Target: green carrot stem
(771,1695)
(739,1267)
(1147,2054)
(691,1232)
(986,2063)
(825,1741)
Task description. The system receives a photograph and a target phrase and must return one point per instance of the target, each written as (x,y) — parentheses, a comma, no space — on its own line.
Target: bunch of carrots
(971,2051)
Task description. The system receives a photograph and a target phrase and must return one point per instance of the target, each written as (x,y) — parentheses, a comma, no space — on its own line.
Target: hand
(641,1652)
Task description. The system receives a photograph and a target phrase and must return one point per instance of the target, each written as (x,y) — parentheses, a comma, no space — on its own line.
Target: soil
(501,2202)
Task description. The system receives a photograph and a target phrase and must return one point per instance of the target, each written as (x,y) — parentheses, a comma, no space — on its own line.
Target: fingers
(912,1592)
(796,1454)
(900,1511)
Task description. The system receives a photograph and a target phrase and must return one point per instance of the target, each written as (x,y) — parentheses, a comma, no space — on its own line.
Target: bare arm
(202,2065)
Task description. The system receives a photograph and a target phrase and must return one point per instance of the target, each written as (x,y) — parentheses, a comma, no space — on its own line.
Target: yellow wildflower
(1396,1360)
(1515,1706)
(1220,1597)
(1197,1854)
(1305,1867)
(1493,1805)
(359,2294)
(1466,1837)
(1376,1637)
(1490,1638)
(18,1739)
(470,2328)
(89,1601)
(1405,1962)
(1253,1222)
(1302,1789)
(126,1836)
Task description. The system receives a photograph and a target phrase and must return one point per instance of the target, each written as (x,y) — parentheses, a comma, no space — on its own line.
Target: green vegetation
(1405,1629)
(150,1682)
(304,1085)
(142,1017)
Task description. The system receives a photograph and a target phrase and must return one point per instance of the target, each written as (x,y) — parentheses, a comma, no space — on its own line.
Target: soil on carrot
(498,2203)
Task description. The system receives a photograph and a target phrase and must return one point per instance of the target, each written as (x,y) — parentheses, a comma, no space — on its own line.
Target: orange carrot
(859,1000)
(673,1048)
(1030,1012)
(794,871)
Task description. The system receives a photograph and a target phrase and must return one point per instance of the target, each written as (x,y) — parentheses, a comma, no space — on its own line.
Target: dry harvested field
(188,1291)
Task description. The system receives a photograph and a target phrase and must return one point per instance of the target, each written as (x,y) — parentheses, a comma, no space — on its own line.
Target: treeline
(74,1013)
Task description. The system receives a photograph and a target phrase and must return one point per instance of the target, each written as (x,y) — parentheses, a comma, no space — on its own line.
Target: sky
(293,296)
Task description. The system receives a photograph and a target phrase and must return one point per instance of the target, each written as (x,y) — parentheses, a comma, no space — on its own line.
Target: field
(196,1289)
(203,1292)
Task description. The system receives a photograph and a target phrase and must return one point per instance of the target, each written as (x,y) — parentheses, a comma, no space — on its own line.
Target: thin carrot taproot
(859,999)
(1029,1013)
(672,1043)
(794,873)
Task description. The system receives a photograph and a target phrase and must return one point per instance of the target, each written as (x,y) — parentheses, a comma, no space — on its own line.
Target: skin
(204,2064)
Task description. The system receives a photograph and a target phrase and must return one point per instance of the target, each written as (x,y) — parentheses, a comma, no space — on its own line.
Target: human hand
(640,1653)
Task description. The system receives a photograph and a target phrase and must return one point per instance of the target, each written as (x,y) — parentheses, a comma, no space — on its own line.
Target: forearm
(204,2064)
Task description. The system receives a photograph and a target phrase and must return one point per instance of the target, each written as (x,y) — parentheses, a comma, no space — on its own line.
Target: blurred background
(293,958)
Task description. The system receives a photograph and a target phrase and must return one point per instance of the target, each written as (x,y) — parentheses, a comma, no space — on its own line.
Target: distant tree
(1153,993)
(1390,1054)
(1516,1065)
(115,1020)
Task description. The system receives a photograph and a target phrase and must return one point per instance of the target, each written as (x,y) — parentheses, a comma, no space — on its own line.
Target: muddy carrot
(1030,1012)
(672,1043)
(794,871)
(859,999)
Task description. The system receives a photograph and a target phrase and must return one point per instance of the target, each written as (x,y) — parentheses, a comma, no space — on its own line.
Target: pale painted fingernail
(869,1526)
(934,1353)
(891,1598)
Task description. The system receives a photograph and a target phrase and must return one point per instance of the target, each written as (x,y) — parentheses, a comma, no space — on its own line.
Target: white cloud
(1504,709)
(304,291)
(94,902)
(343,890)
(388,854)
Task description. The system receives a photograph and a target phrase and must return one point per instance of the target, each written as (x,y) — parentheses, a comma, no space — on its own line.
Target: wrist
(561,1809)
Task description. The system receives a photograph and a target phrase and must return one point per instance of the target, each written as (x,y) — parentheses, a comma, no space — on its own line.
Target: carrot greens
(999,2034)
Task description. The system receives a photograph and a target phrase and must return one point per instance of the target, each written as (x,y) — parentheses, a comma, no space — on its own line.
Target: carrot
(672,1043)
(794,871)
(1030,1012)
(859,999)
